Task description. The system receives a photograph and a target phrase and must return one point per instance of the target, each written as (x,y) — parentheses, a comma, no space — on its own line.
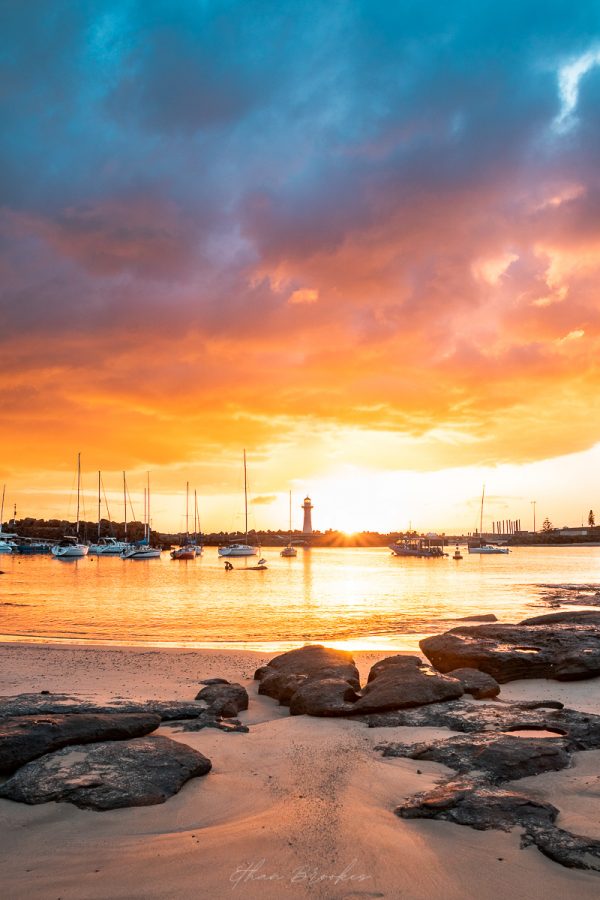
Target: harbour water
(348,597)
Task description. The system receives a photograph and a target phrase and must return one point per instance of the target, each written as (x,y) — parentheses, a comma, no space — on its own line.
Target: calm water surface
(347,597)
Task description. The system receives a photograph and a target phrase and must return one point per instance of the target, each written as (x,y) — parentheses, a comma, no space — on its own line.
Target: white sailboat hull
(238,550)
(141,553)
(76,551)
(5,548)
(488,550)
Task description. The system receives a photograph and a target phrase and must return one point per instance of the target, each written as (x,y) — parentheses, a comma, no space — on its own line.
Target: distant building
(307,507)
(574,532)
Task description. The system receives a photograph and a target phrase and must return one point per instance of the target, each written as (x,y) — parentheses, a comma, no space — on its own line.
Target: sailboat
(197,546)
(187,549)
(289,550)
(5,547)
(108,546)
(480,546)
(142,549)
(241,549)
(70,547)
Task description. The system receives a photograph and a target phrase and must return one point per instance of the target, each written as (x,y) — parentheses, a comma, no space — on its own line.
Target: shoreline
(294,808)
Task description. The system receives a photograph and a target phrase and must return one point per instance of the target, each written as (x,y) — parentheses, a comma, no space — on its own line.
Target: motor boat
(109,546)
(69,548)
(238,550)
(188,551)
(483,548)
(141,550)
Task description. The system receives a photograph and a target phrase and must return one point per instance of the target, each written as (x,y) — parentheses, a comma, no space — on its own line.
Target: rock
(311,660)
(225,700)
(563,847)
(140,772)
(391,662)
(231,726)
(214,681)
(580,730)
(582,617)
(281,687)
(507,652)
(485,617)
(36,704)
(478,806)
(479,684)
(323,697)
(23,738)
(401,686)
(500,757)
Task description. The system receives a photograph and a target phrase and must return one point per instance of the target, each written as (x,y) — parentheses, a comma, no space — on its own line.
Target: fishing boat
(240,549)
(187,550)
(70,547)
(142,549)
(422,548)
(479,545)
(290,550)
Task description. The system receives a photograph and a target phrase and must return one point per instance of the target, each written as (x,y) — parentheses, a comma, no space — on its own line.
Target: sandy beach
(298,807)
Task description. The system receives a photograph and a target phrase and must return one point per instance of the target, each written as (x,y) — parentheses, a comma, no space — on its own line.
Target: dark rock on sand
(36,704)
(479,684)
(479,806)
(312,660)
(233,726)
(400,686)
(500,757)
(282,687)
(507,652)
(214,681)
(580,730)
(482,805)
(225,700)
(140,772)
(23,738)
(395,662)
(323,697)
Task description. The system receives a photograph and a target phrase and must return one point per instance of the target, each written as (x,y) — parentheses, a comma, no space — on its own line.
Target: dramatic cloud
(231,223)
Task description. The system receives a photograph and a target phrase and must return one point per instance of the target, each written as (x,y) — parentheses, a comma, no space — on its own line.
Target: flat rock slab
(500,757)
(580,730)
(483,806)
(140,772)
(569,617)
(478,806)
(225,700)
(564,651)
(23,738)
(34,704)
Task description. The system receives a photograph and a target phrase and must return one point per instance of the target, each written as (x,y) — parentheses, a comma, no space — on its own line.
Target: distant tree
(591,519)
(547,525)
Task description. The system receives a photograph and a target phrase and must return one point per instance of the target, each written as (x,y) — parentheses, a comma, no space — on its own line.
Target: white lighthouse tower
(307,507)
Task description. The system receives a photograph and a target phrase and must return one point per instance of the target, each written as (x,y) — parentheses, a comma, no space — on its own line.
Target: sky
(359,239)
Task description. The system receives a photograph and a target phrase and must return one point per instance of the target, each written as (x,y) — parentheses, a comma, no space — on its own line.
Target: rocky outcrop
(323,697)
(479,684)
(402,685)
(500,757)
(225,700)
(46,703)
(102,776)
(23,738)
(311,660)
(484,617)
(507,652)
(479,806)
(282,687)
(395,662)
(581,617)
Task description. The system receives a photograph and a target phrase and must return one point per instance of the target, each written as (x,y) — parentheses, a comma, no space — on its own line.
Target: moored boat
(290,550)
(70,547)
(241,549)
(422,548)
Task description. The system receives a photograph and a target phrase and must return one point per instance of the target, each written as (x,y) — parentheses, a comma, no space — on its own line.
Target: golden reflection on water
(349,598)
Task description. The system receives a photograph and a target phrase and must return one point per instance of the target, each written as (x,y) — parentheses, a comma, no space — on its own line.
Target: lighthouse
(307,507)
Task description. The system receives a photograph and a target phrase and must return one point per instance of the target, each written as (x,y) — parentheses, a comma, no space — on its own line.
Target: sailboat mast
(148,508)
(125,503)
(78,489)
(99,511)
(290,515)
(2,508)
(246,496)
(195,518)
(187,504)
(481,514)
